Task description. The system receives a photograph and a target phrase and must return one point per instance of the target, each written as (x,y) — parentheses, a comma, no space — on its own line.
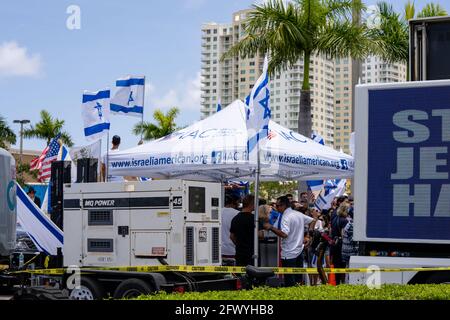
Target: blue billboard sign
(408,189)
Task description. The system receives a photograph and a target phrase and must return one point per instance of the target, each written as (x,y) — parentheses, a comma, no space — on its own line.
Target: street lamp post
(22,122)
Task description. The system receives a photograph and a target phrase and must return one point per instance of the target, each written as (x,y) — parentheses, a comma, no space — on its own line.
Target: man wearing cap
(32,195)
(115,148)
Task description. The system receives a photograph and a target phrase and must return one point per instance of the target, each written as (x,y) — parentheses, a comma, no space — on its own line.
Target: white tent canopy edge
(215,149)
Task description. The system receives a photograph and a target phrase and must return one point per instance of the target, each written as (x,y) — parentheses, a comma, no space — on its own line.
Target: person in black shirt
(338,222)
(242,232)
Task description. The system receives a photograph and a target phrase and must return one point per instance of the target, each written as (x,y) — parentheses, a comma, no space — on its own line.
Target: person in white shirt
(228,213)
(115,148)
(292,235)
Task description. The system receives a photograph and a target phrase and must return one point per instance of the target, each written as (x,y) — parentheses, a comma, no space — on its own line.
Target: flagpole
(256,238)
(143,103)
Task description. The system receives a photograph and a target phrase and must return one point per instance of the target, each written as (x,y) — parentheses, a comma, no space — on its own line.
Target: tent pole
(99,165)
(107,157)
(257,173)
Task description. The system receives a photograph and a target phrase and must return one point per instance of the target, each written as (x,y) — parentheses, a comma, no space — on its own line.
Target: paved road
(6,297)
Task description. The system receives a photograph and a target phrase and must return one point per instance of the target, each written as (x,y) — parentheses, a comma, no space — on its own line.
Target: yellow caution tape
(222,269)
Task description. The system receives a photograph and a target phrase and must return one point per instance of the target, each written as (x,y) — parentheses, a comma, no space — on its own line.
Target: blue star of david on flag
(99,110)
(265,104)
(95,114)
(129,97)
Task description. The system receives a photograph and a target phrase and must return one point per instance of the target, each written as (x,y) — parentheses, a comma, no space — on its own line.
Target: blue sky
(44,65)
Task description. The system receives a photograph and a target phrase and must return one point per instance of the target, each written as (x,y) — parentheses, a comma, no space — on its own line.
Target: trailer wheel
(90,289)
(439,277)
(132,288)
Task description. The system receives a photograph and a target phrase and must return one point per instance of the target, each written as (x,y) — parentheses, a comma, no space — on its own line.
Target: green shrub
(342,292)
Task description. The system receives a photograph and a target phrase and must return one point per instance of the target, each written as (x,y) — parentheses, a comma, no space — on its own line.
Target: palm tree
(300,29)
(432,10)
(165,124)
(7,136)
(47,128)
(391,39)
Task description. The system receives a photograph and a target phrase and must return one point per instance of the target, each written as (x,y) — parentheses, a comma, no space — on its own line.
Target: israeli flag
(44,233)
(331,190)
(315,185)
(129,97)
(258,115)
(95,113)
(317,138)
(219,106)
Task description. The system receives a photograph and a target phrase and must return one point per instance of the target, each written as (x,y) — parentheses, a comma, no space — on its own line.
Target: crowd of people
(299,226)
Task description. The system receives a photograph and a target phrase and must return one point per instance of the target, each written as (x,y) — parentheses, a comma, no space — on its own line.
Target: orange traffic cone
(332,277)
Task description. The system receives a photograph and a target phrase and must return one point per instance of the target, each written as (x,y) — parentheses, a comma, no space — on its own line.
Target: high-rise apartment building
(234,78)
(285,96)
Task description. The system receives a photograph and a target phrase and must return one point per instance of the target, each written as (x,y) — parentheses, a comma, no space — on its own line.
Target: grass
(342,292)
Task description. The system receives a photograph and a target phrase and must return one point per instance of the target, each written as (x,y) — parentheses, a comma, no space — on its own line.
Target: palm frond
(343,10)
(275,29)
(6,134)
(390,40)
(66,139)
(343,39)
(432,10)
(165,125)
(410,10)
(47,128)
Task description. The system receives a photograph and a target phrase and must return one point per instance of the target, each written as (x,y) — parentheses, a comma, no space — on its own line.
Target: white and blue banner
(129,97)
(95,113)
(44,233)
(258,116)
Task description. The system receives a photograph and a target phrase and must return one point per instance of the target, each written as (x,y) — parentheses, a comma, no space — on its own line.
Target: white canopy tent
(216,149)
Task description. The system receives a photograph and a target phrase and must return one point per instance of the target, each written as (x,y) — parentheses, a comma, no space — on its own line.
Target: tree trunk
(304,111)
(304,114)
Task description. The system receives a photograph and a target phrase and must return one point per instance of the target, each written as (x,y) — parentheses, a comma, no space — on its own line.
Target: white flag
(258,115)
(332,189)
(129,97)
(95,113)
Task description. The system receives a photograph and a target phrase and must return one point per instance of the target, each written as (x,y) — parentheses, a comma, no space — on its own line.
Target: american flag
(44,162)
